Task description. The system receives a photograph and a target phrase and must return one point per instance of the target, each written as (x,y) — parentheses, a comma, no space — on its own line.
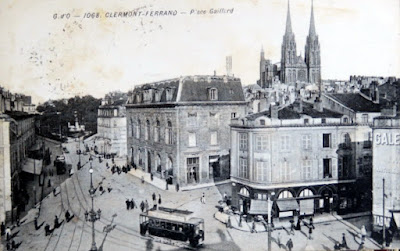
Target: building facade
(302,156)
(111,127)
(386,172)
(17,136)
(179,128)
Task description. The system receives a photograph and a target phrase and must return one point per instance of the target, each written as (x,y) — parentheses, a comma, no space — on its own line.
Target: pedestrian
(142,206)
(37,227)
(48,183)
(133,204)
(289,244)
(279,240)
(298,226)
(159,198)
(344,242)
(154,196)
(225,197)
(101,189)
(363,234)
(123,169)
(166,185)
(142,179)
(47,229)
(127,204)
(68,216)
(240,220)
(57,224)
(146,206)
(8,233)
(312,223)
(253,227)
(310,232)
(292,227)
(71,172)
(109,188)
(229,223)
(203,199)
(151,176)
(54,192)
(3,228)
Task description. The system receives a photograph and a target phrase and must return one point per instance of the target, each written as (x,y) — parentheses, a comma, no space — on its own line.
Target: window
(243,141)
(306,121)
(157,132)
(233,115)
(326,140)
(327,168)
(345,120)
(285,171)
(192,119)
(262,122)
(306,169)
(169,93)
(243,170)
(285,194)
(138,129)
(147,130)
(261,171)
(364,118)
(306,141)
(168,134)
(323,121)
(192,139)
(261,142)
(213,94)
(214,119)
(213,138)
(285,142)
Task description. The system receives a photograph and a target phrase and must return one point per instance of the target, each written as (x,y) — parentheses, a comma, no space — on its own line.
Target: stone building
(386,162)
(17,136)
(111,126)
(179,128)
(302,154)
(294,68)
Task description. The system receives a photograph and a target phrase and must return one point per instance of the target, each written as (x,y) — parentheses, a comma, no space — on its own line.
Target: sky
(50,58)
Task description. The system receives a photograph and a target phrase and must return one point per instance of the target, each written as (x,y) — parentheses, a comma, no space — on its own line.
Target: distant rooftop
(355,101)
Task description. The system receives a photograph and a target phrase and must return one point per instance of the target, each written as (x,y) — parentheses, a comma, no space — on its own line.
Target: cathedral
(293,68)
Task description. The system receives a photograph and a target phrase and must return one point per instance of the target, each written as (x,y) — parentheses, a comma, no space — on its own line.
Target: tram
(173,224)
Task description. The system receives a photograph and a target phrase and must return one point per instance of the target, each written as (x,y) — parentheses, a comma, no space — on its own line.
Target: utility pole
(383,205)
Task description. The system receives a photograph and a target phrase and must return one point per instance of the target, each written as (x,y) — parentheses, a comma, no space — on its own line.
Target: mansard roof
(190,89)
(355,101)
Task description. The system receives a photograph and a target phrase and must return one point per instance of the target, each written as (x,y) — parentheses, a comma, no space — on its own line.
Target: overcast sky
(51,59)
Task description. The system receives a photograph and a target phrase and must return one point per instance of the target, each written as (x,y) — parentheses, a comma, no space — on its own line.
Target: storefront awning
(259,207)
(287,205)
(33,166)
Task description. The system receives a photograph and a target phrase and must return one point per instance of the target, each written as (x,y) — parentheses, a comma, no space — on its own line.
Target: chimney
(274,111)
(318,104)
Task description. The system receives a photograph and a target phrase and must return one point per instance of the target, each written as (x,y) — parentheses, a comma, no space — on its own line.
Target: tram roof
(173,216)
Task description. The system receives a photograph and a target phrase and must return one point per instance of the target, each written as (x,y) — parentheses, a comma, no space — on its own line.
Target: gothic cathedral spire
(288,52)
(288,20)
(312,52)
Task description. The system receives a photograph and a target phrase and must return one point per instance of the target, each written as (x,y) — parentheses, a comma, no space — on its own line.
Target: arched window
(285,194)
(157,131)
(158,163)
(168,134)
(306,193)
(147,130)
(244,191)
(169,167)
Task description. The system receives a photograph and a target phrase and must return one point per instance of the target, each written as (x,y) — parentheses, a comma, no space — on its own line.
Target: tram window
(169,226)
(151,222)
(180,229)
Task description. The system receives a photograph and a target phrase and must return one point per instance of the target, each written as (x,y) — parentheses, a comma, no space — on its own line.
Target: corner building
(304,157)
(179,128)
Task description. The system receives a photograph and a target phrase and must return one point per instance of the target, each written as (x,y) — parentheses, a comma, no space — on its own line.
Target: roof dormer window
(169,93)
(213,94)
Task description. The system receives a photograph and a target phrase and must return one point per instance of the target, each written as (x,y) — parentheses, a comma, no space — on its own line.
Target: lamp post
(269,226)
(92,215)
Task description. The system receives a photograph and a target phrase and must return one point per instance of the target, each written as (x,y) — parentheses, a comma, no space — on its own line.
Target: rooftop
(355,101)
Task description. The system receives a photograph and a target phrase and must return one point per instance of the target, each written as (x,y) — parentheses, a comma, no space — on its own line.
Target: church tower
(312,52)
(288,53)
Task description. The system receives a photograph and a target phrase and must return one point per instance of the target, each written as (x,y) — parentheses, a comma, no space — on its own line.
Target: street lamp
(92,216)
(269,226)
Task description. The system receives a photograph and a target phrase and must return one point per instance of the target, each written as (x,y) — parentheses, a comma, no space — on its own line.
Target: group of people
(11,244)
(144,205)
(119,170)
(130,204)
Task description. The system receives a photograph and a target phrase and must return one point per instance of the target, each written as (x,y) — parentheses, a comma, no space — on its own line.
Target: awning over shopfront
(33,166)
(259,207)
(287,205)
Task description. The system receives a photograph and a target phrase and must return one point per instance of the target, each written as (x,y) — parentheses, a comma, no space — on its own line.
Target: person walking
(8,233)
(154,196)
(3,228)
(47,229)
(289,244)
(310,232)
(253,227)
(278,239)
(37,227)
(128,204)
(203,199)
(363,234)
(146,206)
(292,227)
(142,206)
(298,225)
(132,204)
(159,199)
(344,242)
